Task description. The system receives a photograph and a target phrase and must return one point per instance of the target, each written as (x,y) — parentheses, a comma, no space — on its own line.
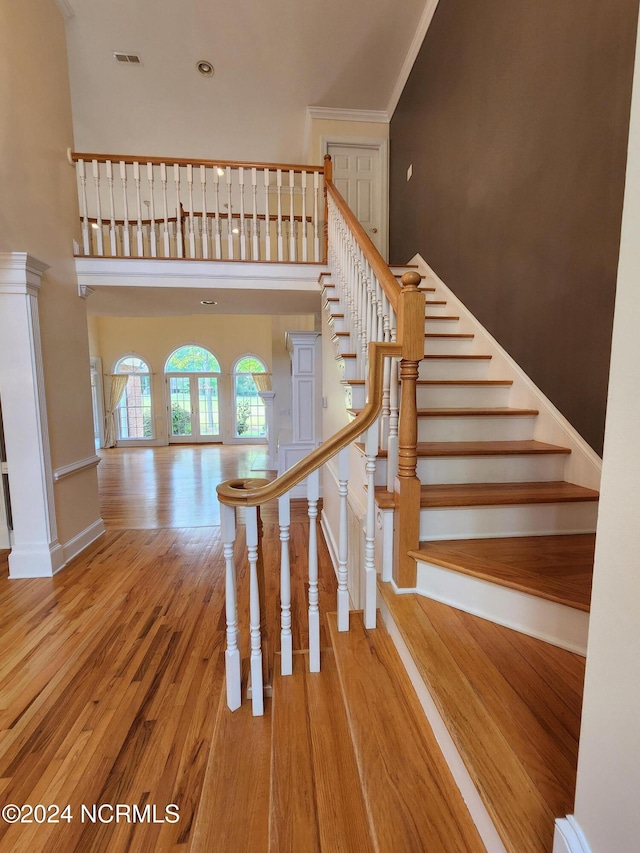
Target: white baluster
(153,232)
(216,211)
(267,218)
(229,216)
(313,489)
(292,219)
(205,219)
(343,541)
(257,687)
(112,223)
(304,217)
(126,234)
(256,231)
(286,640)
(86,237)
(179,243)
(232,654)
(192,233)
(316,217)
(136,180)
(243,232)
(166,236)
(96,181)
(392,442)
(279,225)
(370,580)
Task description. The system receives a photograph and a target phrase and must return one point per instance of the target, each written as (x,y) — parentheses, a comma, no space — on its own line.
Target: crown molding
(341,114)
(414,50)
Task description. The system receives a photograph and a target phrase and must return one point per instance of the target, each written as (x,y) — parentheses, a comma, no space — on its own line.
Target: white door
(357,174)
(194,413)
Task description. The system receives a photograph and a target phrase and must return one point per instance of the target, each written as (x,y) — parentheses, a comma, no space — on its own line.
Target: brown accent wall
(515,118)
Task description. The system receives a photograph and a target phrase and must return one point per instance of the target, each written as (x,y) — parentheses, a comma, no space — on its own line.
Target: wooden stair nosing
(450,335)
(496,412)
(412,800)
(475,383)
(457,555)
(435,449)
(492,494)
(472,357)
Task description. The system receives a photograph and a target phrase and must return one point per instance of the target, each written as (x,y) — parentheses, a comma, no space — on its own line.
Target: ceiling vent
(130,58)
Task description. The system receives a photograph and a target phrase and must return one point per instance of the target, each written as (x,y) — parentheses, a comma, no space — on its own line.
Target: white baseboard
(568,837)
(36,561)
(83,539)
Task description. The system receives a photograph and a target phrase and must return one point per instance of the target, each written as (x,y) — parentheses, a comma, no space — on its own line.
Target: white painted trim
(382,146)
(82,540)
(463,780)
(35,561)
(569,837)
(74,467)
(583,465)
(558,624)
(163,272)
(329,538)
(412,55)
(342,114)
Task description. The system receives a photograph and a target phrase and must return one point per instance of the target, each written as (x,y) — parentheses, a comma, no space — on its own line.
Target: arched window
(192,379)
(135,410)
(192,359)
(250,417)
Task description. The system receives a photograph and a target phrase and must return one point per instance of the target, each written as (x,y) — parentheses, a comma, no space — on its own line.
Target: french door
(194,407)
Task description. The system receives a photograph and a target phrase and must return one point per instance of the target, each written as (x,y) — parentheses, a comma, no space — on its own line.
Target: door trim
(382,146)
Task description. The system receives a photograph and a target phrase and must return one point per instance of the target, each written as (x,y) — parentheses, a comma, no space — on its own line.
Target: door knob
(373,230)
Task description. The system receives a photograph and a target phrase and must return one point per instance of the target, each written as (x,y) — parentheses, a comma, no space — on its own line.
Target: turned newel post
(328,176)
(407,485)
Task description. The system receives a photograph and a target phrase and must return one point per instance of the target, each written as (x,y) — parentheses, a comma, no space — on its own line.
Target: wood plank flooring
(512,705)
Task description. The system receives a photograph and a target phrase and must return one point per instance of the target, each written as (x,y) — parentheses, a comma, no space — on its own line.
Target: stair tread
(316,798)
(469,357)
(412,799)
(526,447)
(492,494)
(452,335)
(476,383)
(512,706)
(441,317)
(557,568)
(476,412)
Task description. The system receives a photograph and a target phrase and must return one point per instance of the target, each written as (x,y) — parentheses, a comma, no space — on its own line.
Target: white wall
(607,797)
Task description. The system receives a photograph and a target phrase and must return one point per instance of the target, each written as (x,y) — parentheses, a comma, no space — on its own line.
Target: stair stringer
(583,465)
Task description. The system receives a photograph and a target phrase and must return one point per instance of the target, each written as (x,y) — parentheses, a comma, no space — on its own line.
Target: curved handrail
(252,492)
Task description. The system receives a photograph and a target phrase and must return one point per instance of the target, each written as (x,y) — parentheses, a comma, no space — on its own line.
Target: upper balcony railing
(150,207)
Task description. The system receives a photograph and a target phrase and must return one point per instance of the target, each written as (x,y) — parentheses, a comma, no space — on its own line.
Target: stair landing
(511,705)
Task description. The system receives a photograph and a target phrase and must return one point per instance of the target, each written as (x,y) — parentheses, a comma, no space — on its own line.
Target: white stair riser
(438,310)
(448,346)
(446,326)
(484,469)
(550,621)
(517,520)
(436,368)
(471,428)
(338,324)
(443,396)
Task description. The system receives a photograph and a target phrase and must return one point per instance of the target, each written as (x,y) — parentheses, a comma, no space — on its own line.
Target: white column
(36,551)
(267,398)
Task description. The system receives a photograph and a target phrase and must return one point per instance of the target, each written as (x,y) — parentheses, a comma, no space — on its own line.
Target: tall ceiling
(272,59)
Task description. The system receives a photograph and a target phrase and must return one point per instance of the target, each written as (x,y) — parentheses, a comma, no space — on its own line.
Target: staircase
(506,556)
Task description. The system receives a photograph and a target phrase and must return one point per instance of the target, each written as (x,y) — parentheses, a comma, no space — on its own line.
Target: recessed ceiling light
(205,67)
(207,302)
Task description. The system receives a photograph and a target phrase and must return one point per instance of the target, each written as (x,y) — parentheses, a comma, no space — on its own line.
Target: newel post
(406,535)
(328,176)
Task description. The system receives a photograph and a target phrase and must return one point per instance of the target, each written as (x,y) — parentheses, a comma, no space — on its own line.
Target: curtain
(116,390)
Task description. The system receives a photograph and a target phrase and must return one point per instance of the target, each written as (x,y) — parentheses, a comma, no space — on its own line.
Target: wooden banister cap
(411,280)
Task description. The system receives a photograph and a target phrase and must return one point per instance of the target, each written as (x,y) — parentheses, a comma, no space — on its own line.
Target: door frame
(381,145)
(195,411)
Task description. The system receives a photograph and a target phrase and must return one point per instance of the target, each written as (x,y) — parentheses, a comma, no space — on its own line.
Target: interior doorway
(193,391)
(360,174)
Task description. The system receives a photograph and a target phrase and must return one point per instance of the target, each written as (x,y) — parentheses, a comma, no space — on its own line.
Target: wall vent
(130,58)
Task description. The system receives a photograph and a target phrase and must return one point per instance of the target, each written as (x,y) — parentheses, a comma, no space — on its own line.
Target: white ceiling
(272,59)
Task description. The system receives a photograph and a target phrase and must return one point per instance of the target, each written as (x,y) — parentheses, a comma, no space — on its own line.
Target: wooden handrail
(376,261)
(248,217)
(74,156)
(254,492)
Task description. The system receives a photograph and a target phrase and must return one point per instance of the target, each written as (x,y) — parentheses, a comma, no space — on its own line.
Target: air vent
(131,58)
